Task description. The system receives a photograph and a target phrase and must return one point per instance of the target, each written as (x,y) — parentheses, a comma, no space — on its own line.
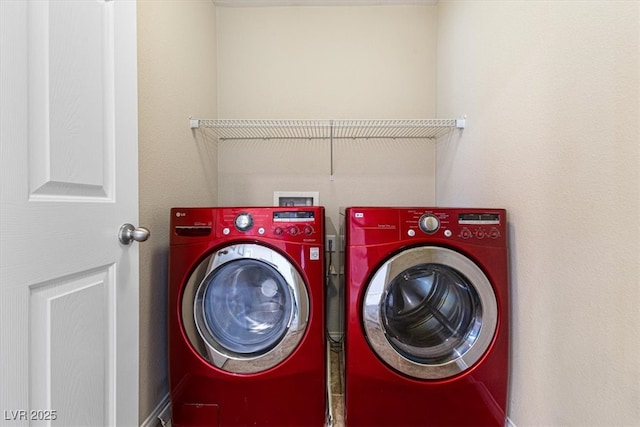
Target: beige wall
(327,63)
(176,79)
(551,94)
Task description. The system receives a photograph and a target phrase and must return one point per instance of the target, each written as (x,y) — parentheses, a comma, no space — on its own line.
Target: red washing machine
(427,306)
(246,317)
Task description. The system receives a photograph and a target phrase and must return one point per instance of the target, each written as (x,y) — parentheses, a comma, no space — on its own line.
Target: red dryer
(427,309)
(246,317)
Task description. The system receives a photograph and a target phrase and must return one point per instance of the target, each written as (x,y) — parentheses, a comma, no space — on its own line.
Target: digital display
(292,216)
(479,218)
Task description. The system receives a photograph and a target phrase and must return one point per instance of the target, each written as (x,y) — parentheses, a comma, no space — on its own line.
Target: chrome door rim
(197,331)
(375,329)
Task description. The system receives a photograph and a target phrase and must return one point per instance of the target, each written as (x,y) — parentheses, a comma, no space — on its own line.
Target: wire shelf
(227,129)
(268,129)
(331,130)
(423,128)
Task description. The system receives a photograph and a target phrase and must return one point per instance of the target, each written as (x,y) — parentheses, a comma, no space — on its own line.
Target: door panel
(71,101)
(67,315)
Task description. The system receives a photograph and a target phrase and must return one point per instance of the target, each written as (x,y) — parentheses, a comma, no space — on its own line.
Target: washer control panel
(296,224)
(292,225)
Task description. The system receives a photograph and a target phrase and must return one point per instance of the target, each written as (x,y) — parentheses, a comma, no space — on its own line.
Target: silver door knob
(129,233)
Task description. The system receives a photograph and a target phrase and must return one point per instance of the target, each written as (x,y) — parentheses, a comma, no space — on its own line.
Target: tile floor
(336,386)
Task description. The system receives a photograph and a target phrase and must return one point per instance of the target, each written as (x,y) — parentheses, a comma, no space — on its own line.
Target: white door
(68,141)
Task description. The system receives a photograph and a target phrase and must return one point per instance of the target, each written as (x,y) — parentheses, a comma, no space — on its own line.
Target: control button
(429,223)
(261,230)
(494,233)
(244,222)
(278,231)
(465,233)
(308,230)
(447,233)
(226,231)
(293,230)
(411,232)
(480,233)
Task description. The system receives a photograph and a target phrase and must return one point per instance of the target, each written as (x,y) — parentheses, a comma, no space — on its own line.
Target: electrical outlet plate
(296,198)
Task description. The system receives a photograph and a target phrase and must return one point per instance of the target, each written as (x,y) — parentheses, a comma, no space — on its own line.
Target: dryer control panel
(386,224)
(485,226)
(482,226)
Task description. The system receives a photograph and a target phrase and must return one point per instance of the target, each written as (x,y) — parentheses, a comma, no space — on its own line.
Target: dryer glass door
(245,308)
(430,312)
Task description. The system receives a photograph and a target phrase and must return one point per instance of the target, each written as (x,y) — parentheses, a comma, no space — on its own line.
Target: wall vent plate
(296,198)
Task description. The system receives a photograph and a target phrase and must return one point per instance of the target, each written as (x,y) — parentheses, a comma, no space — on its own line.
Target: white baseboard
(161,414)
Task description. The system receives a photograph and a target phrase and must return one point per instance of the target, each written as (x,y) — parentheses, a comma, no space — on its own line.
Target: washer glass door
(245,306)
(430,312)
(249,311)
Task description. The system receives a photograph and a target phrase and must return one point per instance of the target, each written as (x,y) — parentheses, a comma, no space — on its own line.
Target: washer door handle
(128,233)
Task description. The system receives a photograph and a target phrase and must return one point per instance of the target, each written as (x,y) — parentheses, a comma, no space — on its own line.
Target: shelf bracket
(194,123)
(331,149)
